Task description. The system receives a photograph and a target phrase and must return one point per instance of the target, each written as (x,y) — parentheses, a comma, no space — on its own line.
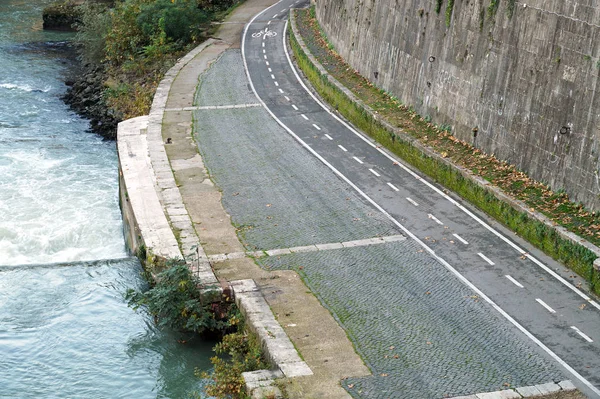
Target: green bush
(240,352)
(179,20)
(176,302)
(92,31)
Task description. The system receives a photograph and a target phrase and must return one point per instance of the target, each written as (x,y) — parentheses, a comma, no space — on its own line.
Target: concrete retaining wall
(528,82)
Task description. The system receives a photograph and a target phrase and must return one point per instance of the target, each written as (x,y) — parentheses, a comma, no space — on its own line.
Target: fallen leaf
(268,205)
(384,374)
(582,306)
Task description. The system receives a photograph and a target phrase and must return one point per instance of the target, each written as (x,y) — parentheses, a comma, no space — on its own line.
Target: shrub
(92,30)
(240,352)
(176,302)
(177,21)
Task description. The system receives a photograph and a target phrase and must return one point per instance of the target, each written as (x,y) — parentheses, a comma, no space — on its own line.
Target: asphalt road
(531,291)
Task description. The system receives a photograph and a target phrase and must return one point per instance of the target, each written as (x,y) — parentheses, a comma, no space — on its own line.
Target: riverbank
(125,53)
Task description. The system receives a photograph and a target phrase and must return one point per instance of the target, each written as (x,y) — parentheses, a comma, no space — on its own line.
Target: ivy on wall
(449,9)
(493,8)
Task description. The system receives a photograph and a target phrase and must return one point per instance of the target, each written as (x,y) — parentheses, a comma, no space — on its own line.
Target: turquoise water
(65,329)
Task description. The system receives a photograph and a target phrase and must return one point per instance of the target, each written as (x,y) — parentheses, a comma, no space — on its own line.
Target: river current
(65,328)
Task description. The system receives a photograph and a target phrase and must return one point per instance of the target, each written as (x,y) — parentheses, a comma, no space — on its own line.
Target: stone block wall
(527,79)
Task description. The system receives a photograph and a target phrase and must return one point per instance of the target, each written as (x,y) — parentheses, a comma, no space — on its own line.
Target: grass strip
(379,114)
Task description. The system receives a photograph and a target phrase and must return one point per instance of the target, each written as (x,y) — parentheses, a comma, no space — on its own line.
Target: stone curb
(497,192)
(524,392)
(166,187)
(308,248)
(142,200)
(276,345)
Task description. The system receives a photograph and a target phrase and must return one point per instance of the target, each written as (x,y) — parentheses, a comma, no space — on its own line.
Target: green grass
(575,256)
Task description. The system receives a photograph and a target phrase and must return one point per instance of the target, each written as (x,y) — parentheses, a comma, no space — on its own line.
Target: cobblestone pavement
(422,333)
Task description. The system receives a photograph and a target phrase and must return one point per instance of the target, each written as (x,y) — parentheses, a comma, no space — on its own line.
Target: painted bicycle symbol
(266,33)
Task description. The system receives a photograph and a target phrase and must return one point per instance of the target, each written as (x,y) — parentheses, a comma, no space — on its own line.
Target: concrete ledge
(168,192)
(278,348)
(139,186)
(524,392)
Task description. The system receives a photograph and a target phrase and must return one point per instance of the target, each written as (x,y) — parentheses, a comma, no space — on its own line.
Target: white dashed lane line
(412,201)
(343,149)
(485,258)
(358,160)
(265,56)
(393,187)
(276,84)
(270,70)
(374,172)
(459,238)
(515,282)
(287,98)
(548,308)
(438,221)
(329,137)
(293,105)
(269,23)
(316,126)
(267,62)
(272,76)
(281,91)
(263,44)
(578,331)
(304,116)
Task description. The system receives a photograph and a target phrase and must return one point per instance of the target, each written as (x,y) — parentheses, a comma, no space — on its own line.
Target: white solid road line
(412,201)
(515,282)
(578,331)
(358,160)
(462,278)
(316,127)
(438,221)
(437,190)
(459,238)
(544,304)
(485,258)
(375,173)
(393,187)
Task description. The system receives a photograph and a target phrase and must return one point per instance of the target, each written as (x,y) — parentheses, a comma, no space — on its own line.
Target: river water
(65,329)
